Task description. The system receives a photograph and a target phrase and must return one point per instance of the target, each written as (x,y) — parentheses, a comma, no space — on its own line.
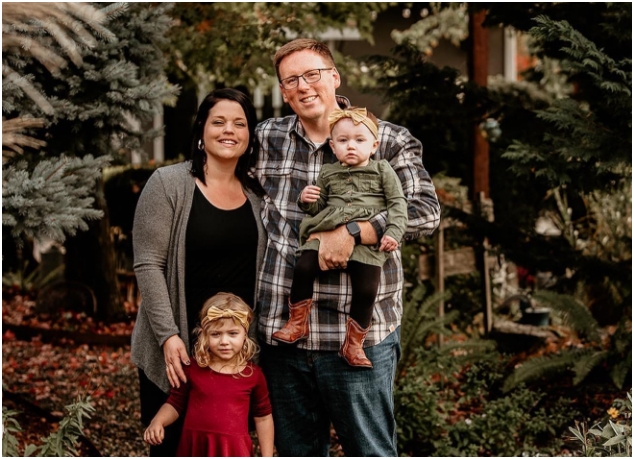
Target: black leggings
(364,279)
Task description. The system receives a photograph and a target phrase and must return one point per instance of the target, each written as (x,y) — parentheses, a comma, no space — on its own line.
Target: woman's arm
(152,231)
(264,429)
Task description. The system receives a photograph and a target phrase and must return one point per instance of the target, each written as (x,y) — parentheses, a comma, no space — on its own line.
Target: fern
(546,365)
(621,369)
(586,364)
(573,314)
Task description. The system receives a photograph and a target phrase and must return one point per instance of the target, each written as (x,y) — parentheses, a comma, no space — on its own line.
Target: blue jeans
(311,389)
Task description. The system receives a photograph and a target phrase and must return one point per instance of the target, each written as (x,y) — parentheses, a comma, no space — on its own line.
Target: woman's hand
(175,353)
(310,194)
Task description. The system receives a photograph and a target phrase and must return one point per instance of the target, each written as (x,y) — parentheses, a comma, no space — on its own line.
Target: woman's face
(226,132)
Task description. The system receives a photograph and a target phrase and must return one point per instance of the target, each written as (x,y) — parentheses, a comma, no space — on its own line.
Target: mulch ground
(52,376)
(43,372)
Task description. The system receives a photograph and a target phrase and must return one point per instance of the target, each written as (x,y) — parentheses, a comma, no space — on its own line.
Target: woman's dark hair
(199,157)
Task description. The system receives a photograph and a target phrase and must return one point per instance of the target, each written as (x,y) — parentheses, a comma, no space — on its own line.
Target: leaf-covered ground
(52,376)
(49,376)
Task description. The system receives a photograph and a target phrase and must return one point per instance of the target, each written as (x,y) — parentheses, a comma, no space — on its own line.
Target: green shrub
(61,443)
(612,437)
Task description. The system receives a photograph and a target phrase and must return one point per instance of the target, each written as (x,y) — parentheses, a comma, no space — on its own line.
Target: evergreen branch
(54,199)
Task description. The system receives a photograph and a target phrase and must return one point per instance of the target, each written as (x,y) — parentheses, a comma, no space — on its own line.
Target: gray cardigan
(160,225)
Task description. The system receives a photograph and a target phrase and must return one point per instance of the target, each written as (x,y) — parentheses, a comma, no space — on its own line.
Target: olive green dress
(355,194)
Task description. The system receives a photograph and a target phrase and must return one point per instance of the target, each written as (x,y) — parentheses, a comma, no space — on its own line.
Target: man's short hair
(300,44)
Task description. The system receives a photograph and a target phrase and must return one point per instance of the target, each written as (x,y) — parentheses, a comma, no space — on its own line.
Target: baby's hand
(154,434)
(310,194)
(388,244)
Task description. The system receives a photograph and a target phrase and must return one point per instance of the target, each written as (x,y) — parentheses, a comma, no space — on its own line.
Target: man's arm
(405,154)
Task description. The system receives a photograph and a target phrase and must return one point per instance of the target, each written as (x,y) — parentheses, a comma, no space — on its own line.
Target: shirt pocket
(369,185)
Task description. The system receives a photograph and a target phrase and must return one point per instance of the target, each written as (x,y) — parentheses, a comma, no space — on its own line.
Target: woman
(197,232)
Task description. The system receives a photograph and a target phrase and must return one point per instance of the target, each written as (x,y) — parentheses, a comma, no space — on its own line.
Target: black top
(221,248)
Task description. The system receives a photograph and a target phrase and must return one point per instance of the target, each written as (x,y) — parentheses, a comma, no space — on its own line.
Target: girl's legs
(365,284)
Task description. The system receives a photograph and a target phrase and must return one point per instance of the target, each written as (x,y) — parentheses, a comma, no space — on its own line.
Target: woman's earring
(201,145)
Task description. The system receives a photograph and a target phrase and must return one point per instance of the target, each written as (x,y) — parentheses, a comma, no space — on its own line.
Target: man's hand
(335,248)
(310,194)
(175,352)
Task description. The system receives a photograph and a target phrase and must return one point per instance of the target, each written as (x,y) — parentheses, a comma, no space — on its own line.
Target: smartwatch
(355,231)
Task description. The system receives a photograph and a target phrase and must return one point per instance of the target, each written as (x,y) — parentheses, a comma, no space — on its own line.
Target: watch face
(353,228)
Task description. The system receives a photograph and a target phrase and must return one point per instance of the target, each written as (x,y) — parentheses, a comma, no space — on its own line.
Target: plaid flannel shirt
(288,161)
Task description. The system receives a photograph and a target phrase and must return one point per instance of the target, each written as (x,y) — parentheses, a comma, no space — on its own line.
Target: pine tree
(88,110)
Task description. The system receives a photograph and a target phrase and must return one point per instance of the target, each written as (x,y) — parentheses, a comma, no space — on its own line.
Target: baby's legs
(306,269)
(301,299)
(365,284)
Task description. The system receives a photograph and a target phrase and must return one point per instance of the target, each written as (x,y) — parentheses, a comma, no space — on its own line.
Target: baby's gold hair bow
(358,115)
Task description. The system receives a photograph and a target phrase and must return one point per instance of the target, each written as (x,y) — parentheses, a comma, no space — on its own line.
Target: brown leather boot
(297,326)
(352,347)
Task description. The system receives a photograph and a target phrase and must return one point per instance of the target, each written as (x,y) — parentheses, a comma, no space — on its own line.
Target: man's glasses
(312,76)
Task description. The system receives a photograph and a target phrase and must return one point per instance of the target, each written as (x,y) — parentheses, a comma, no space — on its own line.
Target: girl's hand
(154,434)
(175,352)
(310,194)
(388,244)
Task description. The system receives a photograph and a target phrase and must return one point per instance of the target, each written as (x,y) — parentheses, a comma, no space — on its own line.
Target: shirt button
(349,191)
(349,204)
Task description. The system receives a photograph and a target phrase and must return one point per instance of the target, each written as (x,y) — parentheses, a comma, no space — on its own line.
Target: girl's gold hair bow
(215,313)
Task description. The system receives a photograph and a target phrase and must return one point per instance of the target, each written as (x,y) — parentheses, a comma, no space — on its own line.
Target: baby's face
(353,144)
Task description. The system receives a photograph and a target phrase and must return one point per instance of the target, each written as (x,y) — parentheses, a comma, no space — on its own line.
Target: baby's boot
(352,347)
(297,326)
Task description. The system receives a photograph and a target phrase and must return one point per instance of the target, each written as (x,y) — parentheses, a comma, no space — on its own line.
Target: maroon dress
(216,408)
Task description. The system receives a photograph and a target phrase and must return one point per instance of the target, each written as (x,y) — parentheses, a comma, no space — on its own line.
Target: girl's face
(353,144)
(226,133)
(226,340)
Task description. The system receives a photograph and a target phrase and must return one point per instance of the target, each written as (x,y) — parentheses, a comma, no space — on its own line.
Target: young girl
(221,388)
(355,189)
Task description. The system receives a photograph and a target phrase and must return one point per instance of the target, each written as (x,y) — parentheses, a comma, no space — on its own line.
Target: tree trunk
(91,260)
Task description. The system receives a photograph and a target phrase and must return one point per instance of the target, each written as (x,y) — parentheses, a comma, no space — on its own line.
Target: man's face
(310,101)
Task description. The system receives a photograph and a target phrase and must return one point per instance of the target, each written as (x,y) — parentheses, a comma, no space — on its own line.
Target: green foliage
(611,438)
(116,78)
(511,425)
(28,280)
(205,46)
(61,443)
(614,352)
(584,147)
(572,313)
(52,199)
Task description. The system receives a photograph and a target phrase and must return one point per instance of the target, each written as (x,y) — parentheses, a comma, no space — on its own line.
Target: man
(310,385)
